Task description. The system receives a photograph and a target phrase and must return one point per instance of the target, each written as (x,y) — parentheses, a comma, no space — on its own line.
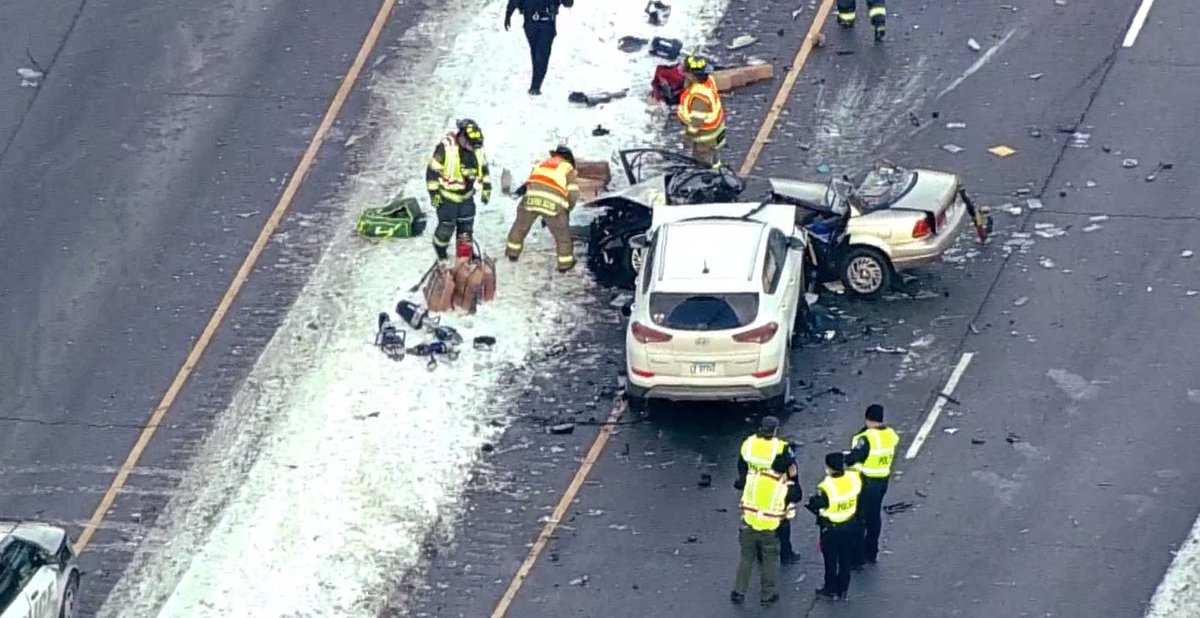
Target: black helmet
(469,130)
(564,152)
(696,65)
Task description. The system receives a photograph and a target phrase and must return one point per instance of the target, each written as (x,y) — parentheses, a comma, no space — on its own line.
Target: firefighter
(550,193)
(540,31)
(876,11)
(835,503)
(871,452)
(701,112)
(457,166)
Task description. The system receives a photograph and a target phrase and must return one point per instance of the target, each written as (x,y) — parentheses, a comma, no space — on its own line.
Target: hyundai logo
(701,341)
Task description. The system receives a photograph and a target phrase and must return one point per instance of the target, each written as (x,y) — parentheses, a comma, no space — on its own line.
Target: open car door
(642,163)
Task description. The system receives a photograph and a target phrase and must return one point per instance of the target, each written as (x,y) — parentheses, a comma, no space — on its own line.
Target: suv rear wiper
(754,211)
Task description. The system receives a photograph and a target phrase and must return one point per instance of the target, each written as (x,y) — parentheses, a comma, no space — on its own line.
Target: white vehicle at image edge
(717,302)
(39,577)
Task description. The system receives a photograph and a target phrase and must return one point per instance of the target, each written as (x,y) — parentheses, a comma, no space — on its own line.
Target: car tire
(777,405)
(635,405)
(614,268)
(800,324)
(866,272)
(70,597)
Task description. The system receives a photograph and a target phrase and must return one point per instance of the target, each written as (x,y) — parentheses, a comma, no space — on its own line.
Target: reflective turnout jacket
(701,110)
(552,187)
(453,172)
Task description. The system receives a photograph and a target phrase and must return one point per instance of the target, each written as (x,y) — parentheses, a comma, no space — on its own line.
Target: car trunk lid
(702,328)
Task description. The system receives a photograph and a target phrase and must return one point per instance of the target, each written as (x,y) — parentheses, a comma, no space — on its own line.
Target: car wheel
(866,272)
(636,405)
(614,266)
(777,405)
(800,324)
(70,594)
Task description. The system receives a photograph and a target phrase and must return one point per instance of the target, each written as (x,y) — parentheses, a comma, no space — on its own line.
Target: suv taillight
(762,334)
(645,334)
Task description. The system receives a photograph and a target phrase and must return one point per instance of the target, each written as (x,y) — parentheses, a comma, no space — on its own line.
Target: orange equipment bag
(474,281)
(439,288)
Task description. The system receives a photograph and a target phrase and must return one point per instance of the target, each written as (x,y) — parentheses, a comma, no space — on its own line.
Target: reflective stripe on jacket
(551,187)
(759,452)
(764,500)
(701,110)
(452,184)
(842,493)
(882,441)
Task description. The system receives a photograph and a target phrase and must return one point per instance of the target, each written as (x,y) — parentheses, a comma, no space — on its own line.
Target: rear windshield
(703,311)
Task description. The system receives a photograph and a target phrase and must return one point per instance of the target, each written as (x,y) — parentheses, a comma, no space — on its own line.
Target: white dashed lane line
(936,410)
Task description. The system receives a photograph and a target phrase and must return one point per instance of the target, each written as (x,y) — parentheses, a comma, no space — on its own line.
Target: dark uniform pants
(540,35)
(837,547)
(785,539)
(875,8)
(453,217)
(560,229)
(761,548)
(870,515)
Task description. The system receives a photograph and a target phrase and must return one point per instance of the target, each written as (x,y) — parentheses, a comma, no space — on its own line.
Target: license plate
(704,368)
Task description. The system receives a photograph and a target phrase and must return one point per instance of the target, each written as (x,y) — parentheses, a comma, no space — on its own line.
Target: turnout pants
(453,217)
(707,151)
(876,11)
(838,542)
(761,548)
(540,35)
(560,228)
(870,516)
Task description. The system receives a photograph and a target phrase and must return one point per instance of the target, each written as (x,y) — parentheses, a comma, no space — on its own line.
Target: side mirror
(639,241)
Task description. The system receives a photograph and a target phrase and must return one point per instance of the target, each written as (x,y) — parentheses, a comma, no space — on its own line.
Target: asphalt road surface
(1061,476)
(134,177)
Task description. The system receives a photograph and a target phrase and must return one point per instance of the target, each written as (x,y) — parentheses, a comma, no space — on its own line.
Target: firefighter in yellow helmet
(701,111)
(457,166)
(835,503)
(550,193)
(876,11)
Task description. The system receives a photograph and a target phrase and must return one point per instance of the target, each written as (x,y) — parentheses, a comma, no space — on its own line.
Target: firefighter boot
(878,14)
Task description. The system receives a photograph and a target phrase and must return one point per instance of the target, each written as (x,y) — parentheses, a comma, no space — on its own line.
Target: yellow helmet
(470,131)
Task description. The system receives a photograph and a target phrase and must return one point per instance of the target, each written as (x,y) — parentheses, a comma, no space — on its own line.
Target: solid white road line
(1139,20)
(936,410)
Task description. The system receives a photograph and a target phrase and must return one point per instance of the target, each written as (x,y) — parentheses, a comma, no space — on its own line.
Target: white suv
(38,574)
(717,302)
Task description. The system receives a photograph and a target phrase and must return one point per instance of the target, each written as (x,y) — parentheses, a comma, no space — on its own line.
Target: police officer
(540,31)
(834,504)
(765,496)
(765,450)
(551,193)
(875,10)
(457,165)
(701,112)
(871,453)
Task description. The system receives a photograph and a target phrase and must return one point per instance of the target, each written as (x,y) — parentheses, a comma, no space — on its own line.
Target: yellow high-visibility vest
(764,500)
(882,441)
(842,493)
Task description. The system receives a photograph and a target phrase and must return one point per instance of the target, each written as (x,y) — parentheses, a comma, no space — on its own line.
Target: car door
(16,573)
(42,589)
(785,278)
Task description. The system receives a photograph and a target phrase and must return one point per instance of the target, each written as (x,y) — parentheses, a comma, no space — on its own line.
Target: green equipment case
(401,218)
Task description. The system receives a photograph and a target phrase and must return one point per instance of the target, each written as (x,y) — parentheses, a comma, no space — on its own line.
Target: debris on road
(1158,168)
(952,148)
(1046,262)
(592,99)
(737,77)
(1093,227)
(506,180)
(973,44)
(658,11)
(898,507)
(1034,203)
(742,42)
(579,581)
(600,131)
(1129,163)
(705,480)
(1002,150)
(562,429)
(956,125)
(29,77)
(691,539)
(978,441)
(1091,184)
(1012,438)
(630,44)
(1186,253)
(1036,76)
(1021,301)
(1035,132)
(1098,218)
(885,350)
(1012,210)
(1080,140)
(950,430)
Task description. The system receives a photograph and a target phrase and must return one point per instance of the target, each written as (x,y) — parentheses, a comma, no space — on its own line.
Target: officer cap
(836,462)
(875,413)
(768,425)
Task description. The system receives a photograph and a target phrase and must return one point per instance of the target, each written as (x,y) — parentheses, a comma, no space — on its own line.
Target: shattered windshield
(884,186)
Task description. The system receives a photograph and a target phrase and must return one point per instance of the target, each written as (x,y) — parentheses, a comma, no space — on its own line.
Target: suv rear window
(701,312)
